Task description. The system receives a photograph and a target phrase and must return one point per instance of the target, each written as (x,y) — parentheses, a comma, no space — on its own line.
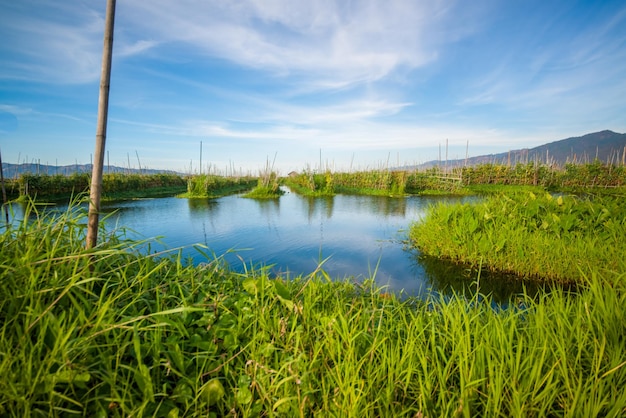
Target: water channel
(349,236)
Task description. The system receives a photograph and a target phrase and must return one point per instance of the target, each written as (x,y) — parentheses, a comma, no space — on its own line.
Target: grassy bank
(268,187)
(114,186)
(311,184)
(557,238)
(382,182)
(115,333)
(212,186)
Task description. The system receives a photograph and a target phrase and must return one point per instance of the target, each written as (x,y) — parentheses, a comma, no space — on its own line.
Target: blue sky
(357,84)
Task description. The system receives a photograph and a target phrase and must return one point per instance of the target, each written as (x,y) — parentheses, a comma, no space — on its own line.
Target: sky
(298,85)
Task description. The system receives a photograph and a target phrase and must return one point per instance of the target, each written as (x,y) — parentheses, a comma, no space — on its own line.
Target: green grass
(213,186)
(310,184)
(153,192)
(545,237)
(43,187)
(268,187)
(264,192)
(111,332)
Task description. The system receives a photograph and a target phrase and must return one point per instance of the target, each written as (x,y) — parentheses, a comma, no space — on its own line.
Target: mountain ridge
(14,170)
(606,146)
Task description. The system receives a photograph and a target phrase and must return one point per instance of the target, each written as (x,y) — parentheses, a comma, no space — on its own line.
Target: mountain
(15,170)
(606,146)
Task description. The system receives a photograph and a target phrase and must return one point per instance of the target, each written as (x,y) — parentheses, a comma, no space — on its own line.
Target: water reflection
(350,236)
(203,205)
(323,205)
(447,278)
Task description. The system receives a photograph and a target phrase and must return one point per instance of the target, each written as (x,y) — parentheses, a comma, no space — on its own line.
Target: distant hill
(606,146)
(15,170)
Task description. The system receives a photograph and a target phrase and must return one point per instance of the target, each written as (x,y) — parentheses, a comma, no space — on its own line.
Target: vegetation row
(60,186)
(596,174)
(374,182)
(111,332)
(438,180)
(211,185)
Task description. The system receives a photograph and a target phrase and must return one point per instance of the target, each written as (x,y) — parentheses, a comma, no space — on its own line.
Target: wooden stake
(95,191)
(4,191)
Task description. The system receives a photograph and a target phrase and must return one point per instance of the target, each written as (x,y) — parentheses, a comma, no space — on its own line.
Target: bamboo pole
(446,169)
(138,162)
(95,191)
(4,191)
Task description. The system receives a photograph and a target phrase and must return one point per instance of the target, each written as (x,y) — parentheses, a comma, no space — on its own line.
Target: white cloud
(44,49)
(134,48)
(58,42)
(336,43)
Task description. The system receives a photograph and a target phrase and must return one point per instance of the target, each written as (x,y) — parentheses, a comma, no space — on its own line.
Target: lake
(348,236)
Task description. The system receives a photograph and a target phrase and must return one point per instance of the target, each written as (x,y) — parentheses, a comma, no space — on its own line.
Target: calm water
(352,236)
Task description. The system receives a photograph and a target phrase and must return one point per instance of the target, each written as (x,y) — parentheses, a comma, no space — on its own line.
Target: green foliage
(268,187)
(210,186)
(540,236)
(309,183)
(433,180)
(43,185)
(109,332)
(374,182)
(595,174)
(113,184)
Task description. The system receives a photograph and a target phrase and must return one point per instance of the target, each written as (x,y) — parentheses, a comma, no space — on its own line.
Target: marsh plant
(114,332)
(213,185)
(310,183)
(539,236)
(594,174)
(381,182)
(268,186)
(43,186)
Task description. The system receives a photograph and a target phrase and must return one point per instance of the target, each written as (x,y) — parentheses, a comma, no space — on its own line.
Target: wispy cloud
(335,43)
(57,42)
(40,49)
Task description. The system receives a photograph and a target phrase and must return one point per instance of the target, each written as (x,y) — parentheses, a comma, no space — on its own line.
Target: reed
(385,182)
(594,174)
(312,184)
(268,187)
(115,185)
(137,335)
(212,185)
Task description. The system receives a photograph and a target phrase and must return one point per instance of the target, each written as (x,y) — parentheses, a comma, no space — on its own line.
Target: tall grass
(114,185)
(309,183)
(111,332)
(212,185)
(382,182)
(268,187)
(594,174)
(539,236)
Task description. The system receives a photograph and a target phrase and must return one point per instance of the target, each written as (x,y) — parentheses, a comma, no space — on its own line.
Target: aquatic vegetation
(381,182)
(212,185)
(595,174)
(542,236)
(309,183)
(115,185)
(268,187)
(112,332)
